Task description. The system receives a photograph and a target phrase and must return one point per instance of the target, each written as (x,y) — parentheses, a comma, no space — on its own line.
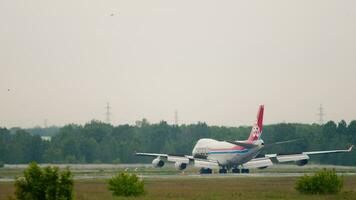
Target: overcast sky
(213,61)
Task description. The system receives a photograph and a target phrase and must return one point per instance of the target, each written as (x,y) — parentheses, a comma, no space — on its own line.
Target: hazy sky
(213,61)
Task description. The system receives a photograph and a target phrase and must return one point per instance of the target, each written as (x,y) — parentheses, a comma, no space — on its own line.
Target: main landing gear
(206,171)
(242,171)
(222,171)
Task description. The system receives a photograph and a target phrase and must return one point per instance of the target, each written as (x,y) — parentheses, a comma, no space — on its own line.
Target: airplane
(239,156)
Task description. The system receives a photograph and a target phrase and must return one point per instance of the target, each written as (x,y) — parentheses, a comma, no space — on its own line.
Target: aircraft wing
(171,158)
(205,163)
(303,155)
(258,163)
(152,155)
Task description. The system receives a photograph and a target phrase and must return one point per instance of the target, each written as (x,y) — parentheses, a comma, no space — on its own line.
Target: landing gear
(245,171)
(206,171)
(235,170)
(222,171)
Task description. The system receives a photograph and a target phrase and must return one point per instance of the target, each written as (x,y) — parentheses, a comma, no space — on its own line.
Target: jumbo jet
(237,156)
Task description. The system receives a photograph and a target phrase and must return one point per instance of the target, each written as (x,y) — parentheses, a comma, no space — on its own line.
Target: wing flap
(258,162)
(293,157)
(178,159)
(152,154)
(206,164)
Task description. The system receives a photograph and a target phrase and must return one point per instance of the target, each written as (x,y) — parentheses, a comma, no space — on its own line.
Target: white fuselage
(227,154)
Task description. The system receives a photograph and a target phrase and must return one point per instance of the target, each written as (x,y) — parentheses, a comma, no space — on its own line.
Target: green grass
(205,188)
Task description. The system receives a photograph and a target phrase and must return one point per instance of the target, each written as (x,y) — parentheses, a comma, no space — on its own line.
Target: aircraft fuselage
(227,154)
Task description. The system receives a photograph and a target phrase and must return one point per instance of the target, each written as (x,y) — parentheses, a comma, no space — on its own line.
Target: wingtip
(352,146)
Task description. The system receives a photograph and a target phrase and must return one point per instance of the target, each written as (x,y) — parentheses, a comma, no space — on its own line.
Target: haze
(213,61)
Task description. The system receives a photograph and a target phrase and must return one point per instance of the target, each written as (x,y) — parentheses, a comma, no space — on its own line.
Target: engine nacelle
(301,162)
(180,166)
(157,163)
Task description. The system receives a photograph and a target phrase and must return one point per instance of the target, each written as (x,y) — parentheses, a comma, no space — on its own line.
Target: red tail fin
(256,130)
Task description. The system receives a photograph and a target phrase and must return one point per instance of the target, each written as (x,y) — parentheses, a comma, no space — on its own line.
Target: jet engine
(180,166)
(157,163)
(301,162)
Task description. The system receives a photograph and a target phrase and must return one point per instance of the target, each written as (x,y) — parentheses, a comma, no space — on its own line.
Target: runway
(210,176)
(145,171)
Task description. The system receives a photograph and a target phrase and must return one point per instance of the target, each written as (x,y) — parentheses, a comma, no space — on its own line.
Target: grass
(205,188)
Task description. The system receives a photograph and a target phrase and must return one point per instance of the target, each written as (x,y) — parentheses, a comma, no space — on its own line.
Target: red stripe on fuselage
(231,148)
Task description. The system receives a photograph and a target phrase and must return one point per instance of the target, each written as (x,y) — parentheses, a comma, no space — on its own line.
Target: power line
(321,114)
(108,113)
(176,119)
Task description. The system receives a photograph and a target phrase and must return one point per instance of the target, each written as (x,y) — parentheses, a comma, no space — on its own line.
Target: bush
(125,184)
(2,164)
(323,182)
(43,184)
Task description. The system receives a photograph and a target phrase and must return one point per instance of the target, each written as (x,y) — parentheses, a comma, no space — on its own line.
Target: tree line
(98,142)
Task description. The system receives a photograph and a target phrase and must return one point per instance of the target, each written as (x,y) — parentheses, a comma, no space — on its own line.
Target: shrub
(323,182)
(43,184)
(2,164)
(125,184)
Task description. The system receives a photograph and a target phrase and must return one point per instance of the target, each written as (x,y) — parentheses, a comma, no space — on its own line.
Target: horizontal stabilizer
(242,144)
(258,162)
(281,142)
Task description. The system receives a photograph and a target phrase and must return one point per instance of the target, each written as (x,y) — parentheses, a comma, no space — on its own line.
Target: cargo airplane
(239,156)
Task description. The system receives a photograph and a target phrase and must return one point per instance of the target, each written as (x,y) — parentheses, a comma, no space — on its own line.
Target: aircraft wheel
(235,170)
(222,171)
(205,171)
(245,171)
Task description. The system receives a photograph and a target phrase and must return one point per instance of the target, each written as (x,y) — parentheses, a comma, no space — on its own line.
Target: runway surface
(207,176)
(145,171)
(195,176)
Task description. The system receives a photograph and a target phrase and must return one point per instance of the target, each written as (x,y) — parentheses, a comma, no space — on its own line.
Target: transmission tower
(321,114)
(108,113)
(176,117)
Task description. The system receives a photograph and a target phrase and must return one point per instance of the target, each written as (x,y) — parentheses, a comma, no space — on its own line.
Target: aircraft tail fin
(257,128)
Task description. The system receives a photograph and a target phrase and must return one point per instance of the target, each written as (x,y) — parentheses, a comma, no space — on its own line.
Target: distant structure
(321,114)
(46,138)
(176,122)
(107,113)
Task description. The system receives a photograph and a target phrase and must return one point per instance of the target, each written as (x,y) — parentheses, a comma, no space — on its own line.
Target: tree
(342,127)
(44,184)
(126,185)
(329,129)
(323,182)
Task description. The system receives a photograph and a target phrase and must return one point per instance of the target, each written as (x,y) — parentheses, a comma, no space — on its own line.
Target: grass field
(205,189)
